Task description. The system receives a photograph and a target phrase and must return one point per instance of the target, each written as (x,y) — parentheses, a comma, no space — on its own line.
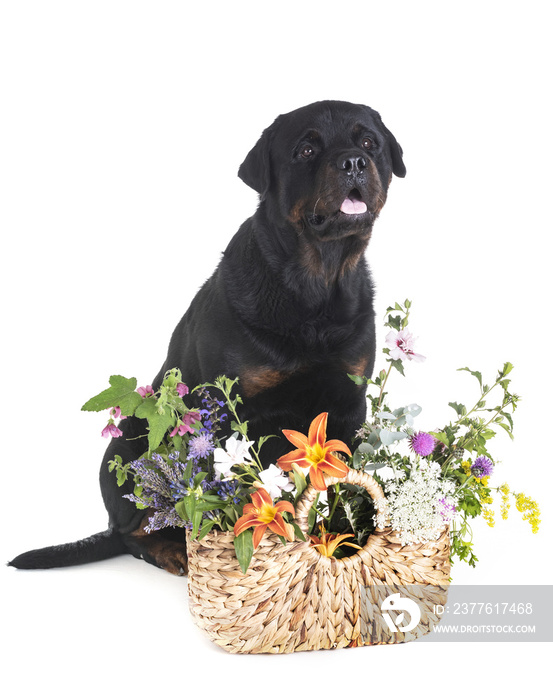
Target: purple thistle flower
(482,467)
(423,444)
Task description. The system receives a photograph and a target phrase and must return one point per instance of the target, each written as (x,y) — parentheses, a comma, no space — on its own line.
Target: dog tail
(103,545)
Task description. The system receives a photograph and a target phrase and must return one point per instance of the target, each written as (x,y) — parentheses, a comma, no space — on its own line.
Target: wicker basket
(294,599)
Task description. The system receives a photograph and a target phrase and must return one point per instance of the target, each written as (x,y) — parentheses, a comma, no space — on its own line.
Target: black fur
(289,309)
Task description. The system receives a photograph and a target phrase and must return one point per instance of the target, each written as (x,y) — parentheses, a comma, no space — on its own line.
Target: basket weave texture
(292,598)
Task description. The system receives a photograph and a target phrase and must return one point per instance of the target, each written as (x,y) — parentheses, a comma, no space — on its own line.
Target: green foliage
(243,546)
(384,441)
(121,393)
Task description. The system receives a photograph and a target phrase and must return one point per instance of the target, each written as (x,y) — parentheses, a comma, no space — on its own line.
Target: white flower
(235,452)
(275,481)
(401,346)
(421,505)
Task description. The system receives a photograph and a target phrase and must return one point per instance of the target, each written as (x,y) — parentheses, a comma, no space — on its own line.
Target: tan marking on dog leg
(167,554)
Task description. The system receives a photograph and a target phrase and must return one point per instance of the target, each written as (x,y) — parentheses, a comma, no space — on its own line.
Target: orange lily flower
(261,514)
(315,453)
(327,544)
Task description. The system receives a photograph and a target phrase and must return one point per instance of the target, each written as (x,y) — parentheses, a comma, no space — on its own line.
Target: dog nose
(351,163)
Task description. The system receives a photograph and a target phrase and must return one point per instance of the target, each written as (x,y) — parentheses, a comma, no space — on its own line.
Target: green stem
(458,423)
(465,482)
(232,405)
(335,502)
(384,384)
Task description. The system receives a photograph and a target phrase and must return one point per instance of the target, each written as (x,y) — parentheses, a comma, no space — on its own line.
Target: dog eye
(306,152)
(367,143)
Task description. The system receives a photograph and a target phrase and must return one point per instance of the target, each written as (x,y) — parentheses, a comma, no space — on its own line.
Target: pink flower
(115,413)
(145,391)
(111,430)
(401,346)
(182,389)
(423,444)
(185,425)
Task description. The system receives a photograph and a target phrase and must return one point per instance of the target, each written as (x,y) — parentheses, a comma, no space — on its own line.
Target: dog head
(325,169)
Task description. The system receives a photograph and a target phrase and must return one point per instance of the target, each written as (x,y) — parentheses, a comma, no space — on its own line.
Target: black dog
(289,309)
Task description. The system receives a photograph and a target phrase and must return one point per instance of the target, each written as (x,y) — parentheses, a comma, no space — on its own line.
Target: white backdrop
(122,128)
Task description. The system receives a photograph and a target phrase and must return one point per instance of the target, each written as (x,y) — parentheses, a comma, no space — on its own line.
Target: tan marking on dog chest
(358,367)
(254,380)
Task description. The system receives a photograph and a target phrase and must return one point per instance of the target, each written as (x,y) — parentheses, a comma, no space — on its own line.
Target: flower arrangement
(202,472)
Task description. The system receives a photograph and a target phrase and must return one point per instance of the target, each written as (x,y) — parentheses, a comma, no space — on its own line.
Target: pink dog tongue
(353,206)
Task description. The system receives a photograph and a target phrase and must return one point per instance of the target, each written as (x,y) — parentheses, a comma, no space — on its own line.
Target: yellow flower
(488,516)
(327,544)
(505,505)
(530,510)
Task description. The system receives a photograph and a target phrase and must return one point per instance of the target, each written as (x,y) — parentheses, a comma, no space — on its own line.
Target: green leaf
(300,482)
(158,423)
(394,322)
(206,527)
(299,533)
(459,408)
(196,523)
(388,437)
(398,364)
(210,502)
(187,474)
(365,448)
(199,478)
(357,380)
(262,440)
(505,428)
(470,504)
(181,511)
(115,463)
(121,393)
(488,434)
(442,437)
(243,546)
(478,375)
(507,368)
(385,415)
(241,428)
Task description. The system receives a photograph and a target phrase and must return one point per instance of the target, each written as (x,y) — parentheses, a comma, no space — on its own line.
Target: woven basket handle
(352,477)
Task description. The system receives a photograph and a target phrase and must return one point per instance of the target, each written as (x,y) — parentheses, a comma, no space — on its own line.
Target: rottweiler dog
(289,309)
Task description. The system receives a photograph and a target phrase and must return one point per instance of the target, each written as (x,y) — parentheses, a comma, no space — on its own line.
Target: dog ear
(398,166)
(255,171)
